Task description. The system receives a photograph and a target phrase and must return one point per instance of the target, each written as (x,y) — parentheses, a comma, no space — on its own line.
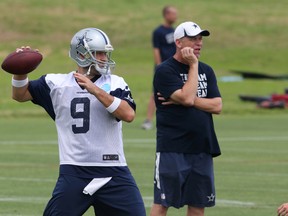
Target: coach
(186,96)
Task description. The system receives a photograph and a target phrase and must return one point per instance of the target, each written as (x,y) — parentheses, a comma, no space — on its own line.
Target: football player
(88,106)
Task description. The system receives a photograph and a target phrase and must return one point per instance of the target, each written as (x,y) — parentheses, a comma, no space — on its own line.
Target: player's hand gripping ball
(22,61)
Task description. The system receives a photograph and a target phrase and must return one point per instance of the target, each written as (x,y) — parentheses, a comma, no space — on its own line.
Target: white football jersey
(88,135)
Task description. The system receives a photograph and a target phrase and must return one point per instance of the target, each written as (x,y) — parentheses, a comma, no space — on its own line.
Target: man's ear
(178,43)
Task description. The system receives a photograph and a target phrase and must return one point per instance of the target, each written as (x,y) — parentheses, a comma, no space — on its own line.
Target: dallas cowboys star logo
(129,98)
(82,40)
(211,197)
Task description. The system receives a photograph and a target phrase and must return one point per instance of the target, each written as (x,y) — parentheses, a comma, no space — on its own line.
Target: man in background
(163,48)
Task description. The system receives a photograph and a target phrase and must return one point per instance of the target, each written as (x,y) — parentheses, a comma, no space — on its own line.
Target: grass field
(251,174)
(245,35)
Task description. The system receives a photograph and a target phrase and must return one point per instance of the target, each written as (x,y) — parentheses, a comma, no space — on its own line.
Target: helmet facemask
(104,67)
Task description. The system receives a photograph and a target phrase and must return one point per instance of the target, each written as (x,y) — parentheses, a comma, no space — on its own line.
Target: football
(22,61)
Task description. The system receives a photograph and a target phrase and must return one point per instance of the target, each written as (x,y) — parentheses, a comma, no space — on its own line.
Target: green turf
(251,174)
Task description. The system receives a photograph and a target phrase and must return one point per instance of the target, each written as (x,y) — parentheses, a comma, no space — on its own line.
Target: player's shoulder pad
(118,82)
(53,80)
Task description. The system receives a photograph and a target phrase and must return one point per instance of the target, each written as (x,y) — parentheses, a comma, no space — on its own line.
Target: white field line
(223,202)
(17,214)
(24,199)
(14,179)
(219,202)
(27,179)
(140,140)
(260,138)
(43,180)
(254,174)
(54,142)
(30,142)
(147,200)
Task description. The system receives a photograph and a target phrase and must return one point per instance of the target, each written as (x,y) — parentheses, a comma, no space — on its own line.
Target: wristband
(19,83)
(114,105)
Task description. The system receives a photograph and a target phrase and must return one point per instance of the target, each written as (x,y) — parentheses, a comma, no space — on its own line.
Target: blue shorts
(184,179)
(120,196)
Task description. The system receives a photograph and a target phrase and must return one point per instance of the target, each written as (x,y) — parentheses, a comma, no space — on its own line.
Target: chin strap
(89,70)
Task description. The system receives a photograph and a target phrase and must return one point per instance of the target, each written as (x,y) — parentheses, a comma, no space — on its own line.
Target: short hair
(166,9)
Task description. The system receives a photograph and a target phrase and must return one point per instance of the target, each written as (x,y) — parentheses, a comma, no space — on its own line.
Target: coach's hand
(189,56)
(165,101)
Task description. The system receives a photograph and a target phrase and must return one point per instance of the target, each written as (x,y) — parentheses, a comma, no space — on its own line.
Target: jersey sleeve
(120,89)
(40,93)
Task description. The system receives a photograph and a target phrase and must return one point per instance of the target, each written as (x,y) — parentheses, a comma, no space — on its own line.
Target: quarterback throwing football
(88,106)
